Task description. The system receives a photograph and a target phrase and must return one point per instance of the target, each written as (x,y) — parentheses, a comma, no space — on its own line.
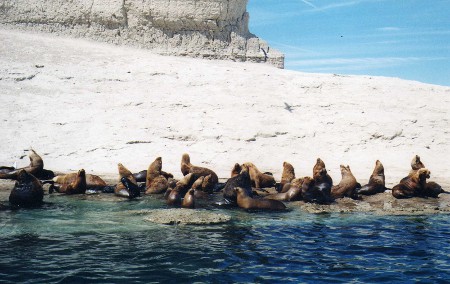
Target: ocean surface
(98,239)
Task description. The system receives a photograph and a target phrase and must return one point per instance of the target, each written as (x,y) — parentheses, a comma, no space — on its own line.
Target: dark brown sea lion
(174,198)
(412,185)
(76,187)
(288,174)
(156,183)
(259,180)
(432,189)
(92,181)
(123,172)
(243,181)
(182,187)
(131,190)
(236,170)
(142,176)
(189,199)
(27,191)
(320,174)
(347,186)
(293,194)
(187,167)
(376,181)
(245,201)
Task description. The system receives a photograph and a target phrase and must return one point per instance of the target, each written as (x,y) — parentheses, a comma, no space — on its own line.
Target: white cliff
(197,28)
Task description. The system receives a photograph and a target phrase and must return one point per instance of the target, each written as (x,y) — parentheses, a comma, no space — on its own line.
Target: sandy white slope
(90,105)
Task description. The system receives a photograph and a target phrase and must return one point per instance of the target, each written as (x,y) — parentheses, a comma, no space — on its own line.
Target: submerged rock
(184,217)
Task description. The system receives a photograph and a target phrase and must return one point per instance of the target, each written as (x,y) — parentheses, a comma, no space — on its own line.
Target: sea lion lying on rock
(293,194)
(92,181)
(131,190)
(348,185)
(376,181)
(432,189)
(187,167)
(27,191)
(156,183)
(245,201)
(259,179)
(78,186)
(412,185)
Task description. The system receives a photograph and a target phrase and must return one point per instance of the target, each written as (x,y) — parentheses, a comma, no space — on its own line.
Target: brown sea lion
(175,195)
(320,174)
(187,167)
(376,181)
(92,181)
(245,201)
(174,198)
(259,180)
(76,187)
(288,174)
(155,183)
(412,185)
(189,199)
(27,191)
(243,181)
(36,167)
(142,176)
(416,164)
(123,172)
(347,186)
(236,170)
(293,194)
(297,182)
(432,189)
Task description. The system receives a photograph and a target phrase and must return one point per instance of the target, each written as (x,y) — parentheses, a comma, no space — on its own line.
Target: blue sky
(409,39)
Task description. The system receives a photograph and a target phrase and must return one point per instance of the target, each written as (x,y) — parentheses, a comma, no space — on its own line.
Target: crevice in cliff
(124,11)
(89,14)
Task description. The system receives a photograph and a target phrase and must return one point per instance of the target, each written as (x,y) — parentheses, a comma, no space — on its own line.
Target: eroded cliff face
(198,28)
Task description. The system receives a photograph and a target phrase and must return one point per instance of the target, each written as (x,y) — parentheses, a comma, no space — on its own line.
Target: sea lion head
(423,173)
(379,169)
(416,163)
(185,158)
(81,173)
(23,176)
(236,170)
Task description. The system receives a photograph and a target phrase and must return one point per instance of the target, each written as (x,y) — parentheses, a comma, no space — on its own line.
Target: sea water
(85,239)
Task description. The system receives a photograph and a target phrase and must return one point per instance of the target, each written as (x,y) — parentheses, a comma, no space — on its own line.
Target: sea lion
(412,185)
(142,176)
(416,164)
(92,181)
(243,181)
(78,186)
(322,180)
(288,174)
(123,172)
(131,190)
(245,201)
(27,191)
(347,186)
(155,182)
(189,199)
(376,181)
(259,180)
(187,167)
(433,189)
(180,190)
(236,170)
(297,182)
(293,194)
(36,168)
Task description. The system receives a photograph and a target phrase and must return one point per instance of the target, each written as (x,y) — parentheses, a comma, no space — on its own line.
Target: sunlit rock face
(199,28)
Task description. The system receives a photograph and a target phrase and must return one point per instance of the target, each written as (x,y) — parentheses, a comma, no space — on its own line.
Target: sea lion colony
(241,189)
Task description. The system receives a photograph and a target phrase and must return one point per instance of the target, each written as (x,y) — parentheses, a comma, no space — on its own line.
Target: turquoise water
(98,239)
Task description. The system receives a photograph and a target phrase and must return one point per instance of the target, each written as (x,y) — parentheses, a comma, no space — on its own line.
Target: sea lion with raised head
(376,182)
(347,186)
(259,179)
(432,189)
(27,191)
(412,185)
(187,167)
(245,201)
(36,168)
(288,174)
(416,164)
(155,182)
